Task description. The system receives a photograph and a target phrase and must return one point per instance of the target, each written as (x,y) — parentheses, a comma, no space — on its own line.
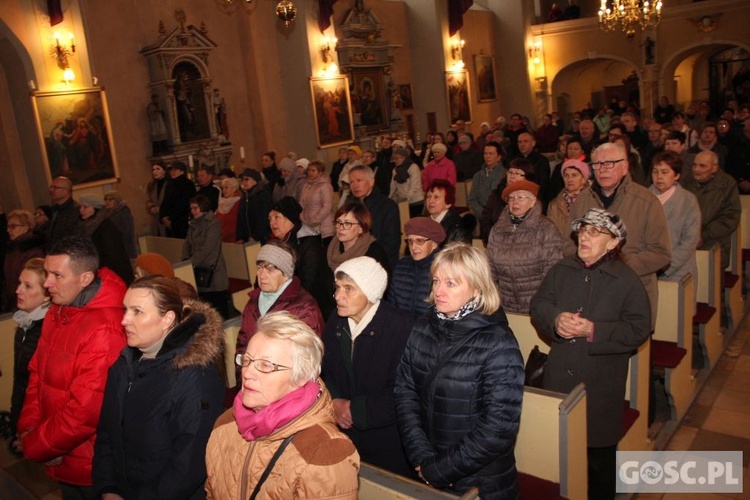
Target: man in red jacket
(81,338)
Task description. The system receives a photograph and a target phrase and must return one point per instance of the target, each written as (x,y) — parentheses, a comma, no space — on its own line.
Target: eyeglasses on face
(517,173)
(606,165)
(52,187)
(592,232)
(14,226)
(416,241)
(345,224)
(262,365)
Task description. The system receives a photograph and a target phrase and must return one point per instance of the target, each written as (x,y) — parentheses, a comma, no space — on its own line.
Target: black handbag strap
(270,465)
(444,360)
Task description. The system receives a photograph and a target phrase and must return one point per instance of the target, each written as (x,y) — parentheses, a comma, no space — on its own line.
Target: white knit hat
(368,274)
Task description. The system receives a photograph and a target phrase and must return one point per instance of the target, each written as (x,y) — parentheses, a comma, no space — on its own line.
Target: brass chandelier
(630,14)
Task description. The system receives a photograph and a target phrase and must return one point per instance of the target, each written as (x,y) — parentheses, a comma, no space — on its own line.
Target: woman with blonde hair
(280,439)
(459,385)
(33,302)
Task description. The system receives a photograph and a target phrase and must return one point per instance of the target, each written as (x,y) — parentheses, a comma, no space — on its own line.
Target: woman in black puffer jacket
(459,386)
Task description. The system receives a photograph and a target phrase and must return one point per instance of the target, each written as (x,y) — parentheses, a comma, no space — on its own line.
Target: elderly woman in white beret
(364,341)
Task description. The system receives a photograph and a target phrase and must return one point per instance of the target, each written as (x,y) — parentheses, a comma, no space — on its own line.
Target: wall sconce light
(326,53)
(457,47)
(61,53)
(535,52)
(68,75)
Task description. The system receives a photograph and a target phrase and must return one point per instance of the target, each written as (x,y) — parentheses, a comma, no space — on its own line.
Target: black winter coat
(411,284)
(312,268)
(24,347)
(461,430)
(252,219)
(366,376)
(386,225)
(612,296)
(176,205)
(158,413)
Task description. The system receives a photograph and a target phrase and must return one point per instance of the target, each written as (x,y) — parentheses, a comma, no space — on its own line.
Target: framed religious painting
(485,71)
(405,97)
(459,97)
(369,98)
(74,135)
(333,111)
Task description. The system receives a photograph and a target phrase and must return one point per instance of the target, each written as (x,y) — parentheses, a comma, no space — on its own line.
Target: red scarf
(253,425)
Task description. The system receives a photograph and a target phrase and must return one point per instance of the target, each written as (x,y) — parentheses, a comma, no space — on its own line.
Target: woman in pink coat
(439,168)
(316,199)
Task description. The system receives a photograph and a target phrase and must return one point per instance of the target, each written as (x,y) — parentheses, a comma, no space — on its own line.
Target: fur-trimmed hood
(198,340)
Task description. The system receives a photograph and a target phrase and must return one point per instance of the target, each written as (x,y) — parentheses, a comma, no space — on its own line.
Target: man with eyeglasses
(65,220)
(647,249)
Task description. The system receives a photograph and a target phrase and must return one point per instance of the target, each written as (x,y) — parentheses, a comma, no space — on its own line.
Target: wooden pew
(170,248)
(462,194)
(672,342)
(636,395)
(550,453)
(184,271)
(551,444)
(526,334)
(403,215)
(733,303)
(251,257)
(231,330)
(238,272)
(745,239)
(7,334)
(708,310)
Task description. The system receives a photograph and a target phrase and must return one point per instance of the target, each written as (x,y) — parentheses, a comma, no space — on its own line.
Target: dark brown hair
(359,211)
(166,295)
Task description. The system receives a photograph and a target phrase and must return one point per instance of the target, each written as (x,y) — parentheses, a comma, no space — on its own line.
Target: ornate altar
(187,116)
(367,58)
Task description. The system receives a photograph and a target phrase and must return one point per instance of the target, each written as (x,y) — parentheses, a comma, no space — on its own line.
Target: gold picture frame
(332,108)
(74,135)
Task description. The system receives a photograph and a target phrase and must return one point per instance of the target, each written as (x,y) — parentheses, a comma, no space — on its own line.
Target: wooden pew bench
(672,342)
(734,305)
(707,318)
(7,334)
(169,248)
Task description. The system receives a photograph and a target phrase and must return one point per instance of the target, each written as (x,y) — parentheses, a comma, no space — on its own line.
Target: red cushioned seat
(533,488)
(237,284)
(631,415)
(666,354)
(730,279)
(461,210)
(703,313)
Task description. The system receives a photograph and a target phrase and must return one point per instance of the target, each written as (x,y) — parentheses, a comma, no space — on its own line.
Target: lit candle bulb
(242,153)
(190,161)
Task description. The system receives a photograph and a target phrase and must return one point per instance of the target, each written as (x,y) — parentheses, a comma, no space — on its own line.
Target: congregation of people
(359,343)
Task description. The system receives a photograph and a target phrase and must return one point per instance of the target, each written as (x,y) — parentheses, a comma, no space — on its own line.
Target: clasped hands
(570,325)
(343,412)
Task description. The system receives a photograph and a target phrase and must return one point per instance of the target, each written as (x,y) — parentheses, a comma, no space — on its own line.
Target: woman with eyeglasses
(162,397)
(520,169)
(280,438)
(575,175)
(352,223)
(595,311)
(523,246)
(23,244)
(364,341)
(411,281)
(278,290)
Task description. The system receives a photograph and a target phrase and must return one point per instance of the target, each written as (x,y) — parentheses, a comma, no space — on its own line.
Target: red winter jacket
(67,377)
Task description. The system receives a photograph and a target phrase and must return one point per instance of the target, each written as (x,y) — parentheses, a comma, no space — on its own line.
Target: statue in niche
(158,126)
(648,49)
(192,116)
(220,116)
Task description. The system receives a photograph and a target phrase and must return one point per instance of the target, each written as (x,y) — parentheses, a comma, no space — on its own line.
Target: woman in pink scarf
(282,409)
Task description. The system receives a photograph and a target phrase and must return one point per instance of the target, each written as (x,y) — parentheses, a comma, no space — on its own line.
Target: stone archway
(21,164)
(680,79)
(591,81)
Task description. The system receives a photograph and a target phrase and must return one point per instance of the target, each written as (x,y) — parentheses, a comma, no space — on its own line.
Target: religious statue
(158,126)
